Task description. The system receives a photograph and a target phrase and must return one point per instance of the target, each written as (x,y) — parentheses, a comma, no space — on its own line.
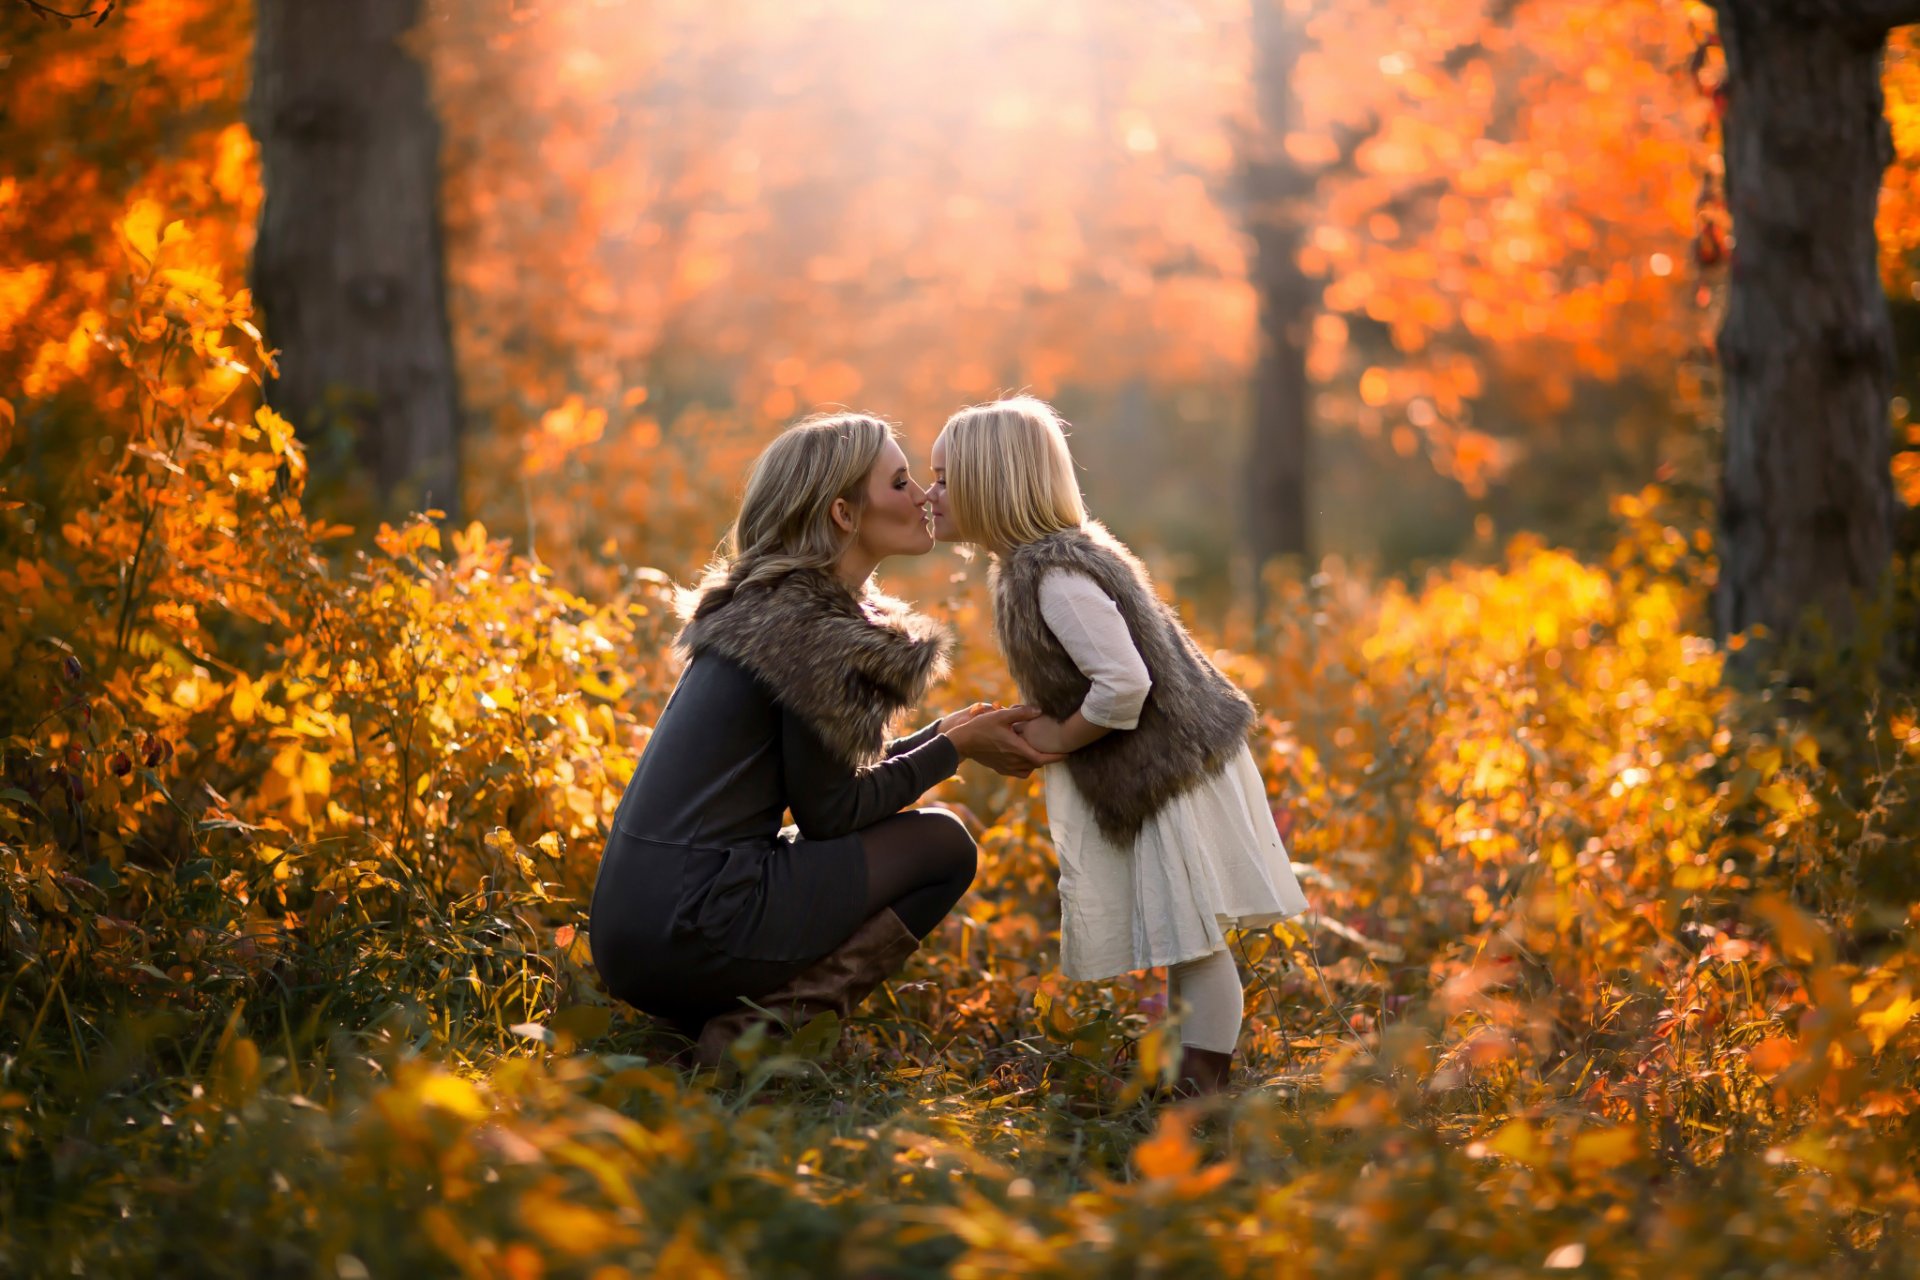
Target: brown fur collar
(846,666)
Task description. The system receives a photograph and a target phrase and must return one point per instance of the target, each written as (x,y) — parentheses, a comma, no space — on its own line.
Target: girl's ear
(842,512)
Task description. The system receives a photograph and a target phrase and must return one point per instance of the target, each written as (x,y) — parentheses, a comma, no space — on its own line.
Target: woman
(795,668)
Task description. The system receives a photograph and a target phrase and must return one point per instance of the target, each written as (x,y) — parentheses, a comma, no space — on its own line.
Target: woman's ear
(842,513)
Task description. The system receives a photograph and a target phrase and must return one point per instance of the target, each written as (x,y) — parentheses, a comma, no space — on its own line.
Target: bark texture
(348,266)
(1279,447)
(1806,509)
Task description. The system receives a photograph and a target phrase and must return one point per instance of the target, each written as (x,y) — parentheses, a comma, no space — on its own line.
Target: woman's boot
(838,981)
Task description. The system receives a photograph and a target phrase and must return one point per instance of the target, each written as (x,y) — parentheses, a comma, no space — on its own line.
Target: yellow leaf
(203,288)
(1779,797)
(684,1260)
(1807,749)
(448,1092)
(1881,1024)
(1518,1141)
(142,228)
(612,687)
(1812,1149)
(1060,1020)
(245,698)
(279,430)
(316,774)
(239,1069)
(577,1229)
(1605,1148)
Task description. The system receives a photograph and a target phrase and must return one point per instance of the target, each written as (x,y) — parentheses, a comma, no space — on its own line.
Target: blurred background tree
(349,264)
(1807,499)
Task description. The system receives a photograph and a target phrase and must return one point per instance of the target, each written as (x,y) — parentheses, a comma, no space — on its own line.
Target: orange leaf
(1773,1055)
(1170,1152)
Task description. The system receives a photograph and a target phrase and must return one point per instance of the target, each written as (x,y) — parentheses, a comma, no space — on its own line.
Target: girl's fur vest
(1195,720)
(845,664)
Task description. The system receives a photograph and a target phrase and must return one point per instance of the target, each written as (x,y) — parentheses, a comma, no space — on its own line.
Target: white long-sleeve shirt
(1089,627)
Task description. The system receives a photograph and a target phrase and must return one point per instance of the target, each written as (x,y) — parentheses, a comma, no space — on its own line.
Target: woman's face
(895,520)
(943,528)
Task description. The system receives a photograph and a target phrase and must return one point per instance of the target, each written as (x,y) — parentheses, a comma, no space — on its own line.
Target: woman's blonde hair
(1009,473)
(786,518)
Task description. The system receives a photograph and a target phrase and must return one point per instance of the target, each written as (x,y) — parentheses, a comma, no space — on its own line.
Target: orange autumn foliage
(1581,918)
(1607,967)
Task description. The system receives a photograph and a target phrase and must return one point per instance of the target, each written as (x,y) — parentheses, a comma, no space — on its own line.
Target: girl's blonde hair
(1009,473)
(786,518)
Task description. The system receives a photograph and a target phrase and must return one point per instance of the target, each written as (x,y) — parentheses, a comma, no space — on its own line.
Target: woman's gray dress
(699,899)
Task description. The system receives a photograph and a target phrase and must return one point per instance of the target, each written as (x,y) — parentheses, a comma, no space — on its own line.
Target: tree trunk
(1278,448)
(348,266)
(1806,504)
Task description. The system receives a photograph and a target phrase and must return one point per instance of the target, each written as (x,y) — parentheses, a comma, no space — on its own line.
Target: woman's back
(711,773)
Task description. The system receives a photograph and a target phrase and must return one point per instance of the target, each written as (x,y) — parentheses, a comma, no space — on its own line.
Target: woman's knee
(944,831)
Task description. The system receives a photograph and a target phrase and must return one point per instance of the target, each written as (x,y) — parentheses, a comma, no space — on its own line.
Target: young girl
(1158,813)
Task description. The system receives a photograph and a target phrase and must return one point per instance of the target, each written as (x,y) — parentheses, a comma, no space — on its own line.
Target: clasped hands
(1008,740)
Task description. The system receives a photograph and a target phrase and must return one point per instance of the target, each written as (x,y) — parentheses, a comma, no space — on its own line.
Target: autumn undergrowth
(1609,969)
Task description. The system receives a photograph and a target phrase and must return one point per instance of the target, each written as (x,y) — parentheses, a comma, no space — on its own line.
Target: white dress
(1209,861)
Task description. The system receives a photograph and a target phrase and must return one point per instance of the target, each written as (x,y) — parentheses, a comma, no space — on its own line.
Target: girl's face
(943,529)
(895,520)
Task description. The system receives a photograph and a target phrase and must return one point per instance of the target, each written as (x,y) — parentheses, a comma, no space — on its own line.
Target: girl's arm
(1089,627)
(1064,736)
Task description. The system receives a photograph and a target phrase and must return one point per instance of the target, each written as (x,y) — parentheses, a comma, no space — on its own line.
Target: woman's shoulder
(711,675)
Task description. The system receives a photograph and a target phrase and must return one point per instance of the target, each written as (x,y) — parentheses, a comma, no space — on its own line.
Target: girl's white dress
(1211,860)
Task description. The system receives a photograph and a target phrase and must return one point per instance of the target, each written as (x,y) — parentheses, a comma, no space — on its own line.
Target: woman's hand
(954,719)
(991,737)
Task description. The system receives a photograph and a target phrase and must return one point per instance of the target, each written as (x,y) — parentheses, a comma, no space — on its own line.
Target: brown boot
(1202,1071)
(838,981)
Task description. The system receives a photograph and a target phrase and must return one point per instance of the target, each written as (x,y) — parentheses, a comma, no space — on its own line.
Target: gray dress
(699,899)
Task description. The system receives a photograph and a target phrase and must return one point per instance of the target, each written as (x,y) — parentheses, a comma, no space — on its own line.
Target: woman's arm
(829,799)
(1089,627)
(918,738)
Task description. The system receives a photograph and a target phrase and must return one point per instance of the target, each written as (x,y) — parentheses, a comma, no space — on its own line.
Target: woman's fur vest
(843,664)
(1195,720)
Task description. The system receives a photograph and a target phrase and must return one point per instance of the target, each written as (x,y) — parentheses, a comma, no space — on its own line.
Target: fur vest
(845,665)
(1195,720)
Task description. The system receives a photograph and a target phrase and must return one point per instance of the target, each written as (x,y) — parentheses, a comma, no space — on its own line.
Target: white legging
(1210,987)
